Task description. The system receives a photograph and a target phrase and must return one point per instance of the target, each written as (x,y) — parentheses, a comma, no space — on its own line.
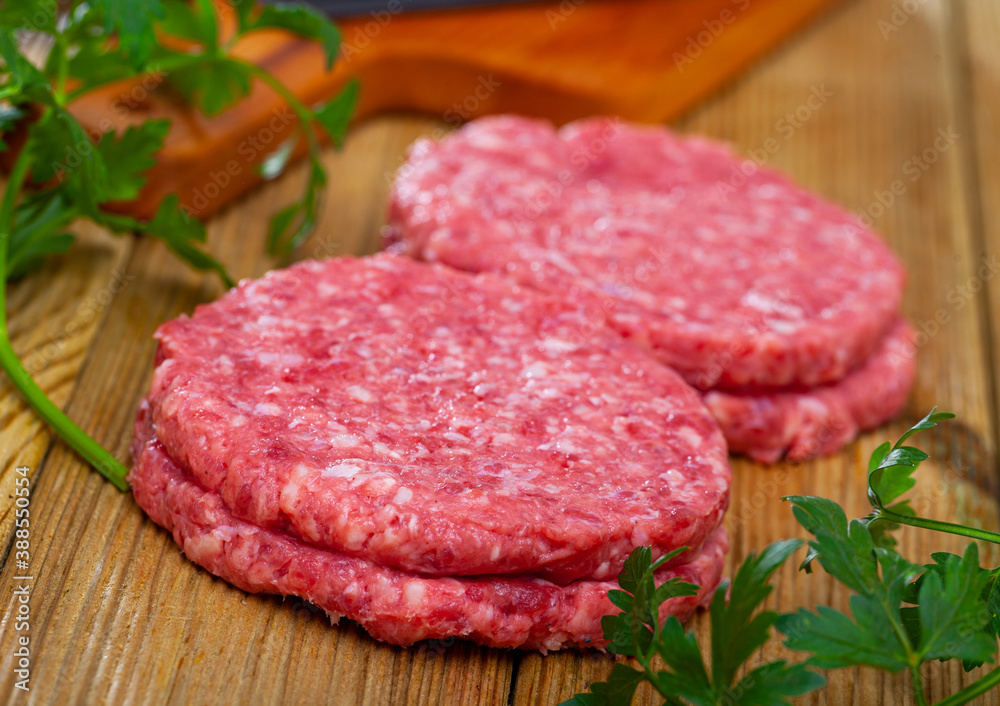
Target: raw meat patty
(436,422)
(814,422)
(393,606)
(732,280)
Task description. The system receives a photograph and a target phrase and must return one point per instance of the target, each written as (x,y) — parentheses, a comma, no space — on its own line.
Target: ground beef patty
(393,606)
(733,280)
(807,423)
(432,421)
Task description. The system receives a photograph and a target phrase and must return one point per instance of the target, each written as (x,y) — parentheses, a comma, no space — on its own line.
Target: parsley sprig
(61,174)
(737,631)
(902,614)
(890,474)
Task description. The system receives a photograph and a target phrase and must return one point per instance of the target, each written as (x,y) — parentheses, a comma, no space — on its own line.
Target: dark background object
(353,8)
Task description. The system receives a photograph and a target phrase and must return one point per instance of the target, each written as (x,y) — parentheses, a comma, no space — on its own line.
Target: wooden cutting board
(646,60)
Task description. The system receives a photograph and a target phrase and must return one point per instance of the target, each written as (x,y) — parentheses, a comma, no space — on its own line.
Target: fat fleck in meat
(432,421)
(756,290)
(394,606)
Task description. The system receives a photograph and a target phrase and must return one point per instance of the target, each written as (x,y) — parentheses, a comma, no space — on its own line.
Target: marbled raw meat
(433,421)
(727,271)
(394,606)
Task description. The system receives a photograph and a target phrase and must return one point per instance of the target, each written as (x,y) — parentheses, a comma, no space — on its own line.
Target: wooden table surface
(891,107)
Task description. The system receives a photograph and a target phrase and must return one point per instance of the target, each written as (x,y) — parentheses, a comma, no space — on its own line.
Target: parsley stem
(976,688)
(919,698)
(62,67)
(304,114)
(307,118)
(937,525)
(95,454)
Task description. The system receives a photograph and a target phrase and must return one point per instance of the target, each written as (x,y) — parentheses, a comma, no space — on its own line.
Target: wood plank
(977,24)
(889,99)
(119,615)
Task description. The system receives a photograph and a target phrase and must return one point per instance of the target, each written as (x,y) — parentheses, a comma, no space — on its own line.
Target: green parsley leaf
(133,21)
(929,422)
(305,21)
(890,470)
(631,632)
(954,617)
(335,116)
(91,58)
(213,85)
(772,684)
(626,634)
(688,679)
(951,611)
(194,21)
(991,594)
(847,552)
(32,15)
(290,226)
(838,641)
(63,152)
(245,10)
(22,73)
(736,631)
(35,251)
(180,231)
(618,689)
(38,231)
(129,157)
(93,65)
(877,576)
(635,568)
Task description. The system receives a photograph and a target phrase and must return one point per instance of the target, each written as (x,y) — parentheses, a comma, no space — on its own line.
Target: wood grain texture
(976,25)
(119,616)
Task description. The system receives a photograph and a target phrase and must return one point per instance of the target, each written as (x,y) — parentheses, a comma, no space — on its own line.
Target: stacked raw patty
(427,452)
(778,305)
